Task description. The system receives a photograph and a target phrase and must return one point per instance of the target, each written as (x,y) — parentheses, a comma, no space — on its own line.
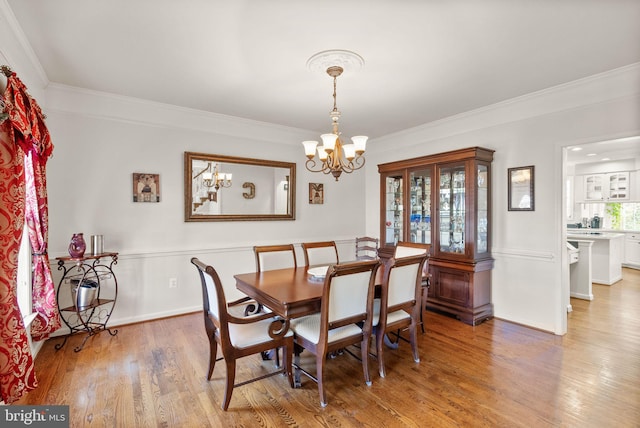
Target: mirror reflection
(231,188)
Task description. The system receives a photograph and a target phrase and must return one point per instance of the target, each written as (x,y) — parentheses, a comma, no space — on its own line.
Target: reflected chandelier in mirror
(215,188)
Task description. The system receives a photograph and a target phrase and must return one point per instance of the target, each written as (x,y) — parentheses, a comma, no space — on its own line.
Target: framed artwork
(316,193)
(521,188)
(146,187)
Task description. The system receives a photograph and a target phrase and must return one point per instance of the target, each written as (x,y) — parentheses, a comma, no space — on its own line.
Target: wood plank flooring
(497,374)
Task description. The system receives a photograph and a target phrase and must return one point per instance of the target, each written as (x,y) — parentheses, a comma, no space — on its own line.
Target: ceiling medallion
(347,60)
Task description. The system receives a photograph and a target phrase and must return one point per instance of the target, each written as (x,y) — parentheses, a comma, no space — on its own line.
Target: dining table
(291,292)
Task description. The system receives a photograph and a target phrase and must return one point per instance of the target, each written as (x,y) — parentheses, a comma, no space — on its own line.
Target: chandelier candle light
(215,179)
(334,155)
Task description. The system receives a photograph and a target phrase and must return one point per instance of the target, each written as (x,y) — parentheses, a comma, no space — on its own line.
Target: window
(630,216)
(25,301)
(616,215)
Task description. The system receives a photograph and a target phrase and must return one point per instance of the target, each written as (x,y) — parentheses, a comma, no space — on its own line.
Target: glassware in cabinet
(451,208)
(482,210)
(420,202)
(394,209)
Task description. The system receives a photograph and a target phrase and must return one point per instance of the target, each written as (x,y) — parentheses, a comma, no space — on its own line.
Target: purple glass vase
(77,246)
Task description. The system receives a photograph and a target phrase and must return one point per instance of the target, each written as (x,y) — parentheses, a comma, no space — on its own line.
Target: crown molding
(614,84)
(101,105)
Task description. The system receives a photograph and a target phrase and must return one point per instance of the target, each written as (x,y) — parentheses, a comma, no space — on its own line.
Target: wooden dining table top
(289,293)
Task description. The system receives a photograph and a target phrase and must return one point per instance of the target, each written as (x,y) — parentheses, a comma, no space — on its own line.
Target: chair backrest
(347,296)
(214,303)
(320,253)
(402,284)
(271,257)
(407,249)
(366,248)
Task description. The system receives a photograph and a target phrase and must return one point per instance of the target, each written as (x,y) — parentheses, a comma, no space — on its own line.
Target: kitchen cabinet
(606,254)
(632,250)
(445,200)
(607,187)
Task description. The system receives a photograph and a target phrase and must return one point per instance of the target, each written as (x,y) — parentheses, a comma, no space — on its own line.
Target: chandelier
(334,156)
(211,177)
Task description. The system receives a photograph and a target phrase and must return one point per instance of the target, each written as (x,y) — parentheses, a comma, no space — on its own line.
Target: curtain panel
(25,146)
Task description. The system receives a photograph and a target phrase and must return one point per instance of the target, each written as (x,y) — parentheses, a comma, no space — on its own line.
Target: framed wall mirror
(521,188)
(228,188)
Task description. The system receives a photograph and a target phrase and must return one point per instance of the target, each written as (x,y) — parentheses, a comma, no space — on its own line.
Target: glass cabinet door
(451,209)
(420,203)
(482,221)
(394,209)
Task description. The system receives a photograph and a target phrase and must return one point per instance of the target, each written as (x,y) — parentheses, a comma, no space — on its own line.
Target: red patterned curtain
(37,214)
(25,146)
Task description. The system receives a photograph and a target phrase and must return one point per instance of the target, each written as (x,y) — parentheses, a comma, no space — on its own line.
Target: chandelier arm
(310,164)
(357,163)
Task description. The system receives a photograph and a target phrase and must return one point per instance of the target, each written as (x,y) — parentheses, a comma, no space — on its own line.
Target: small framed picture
(316,193)
(146,187)
(521,188)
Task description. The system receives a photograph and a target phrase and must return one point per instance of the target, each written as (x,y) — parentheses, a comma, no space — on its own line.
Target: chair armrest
(250,319)
(239,301)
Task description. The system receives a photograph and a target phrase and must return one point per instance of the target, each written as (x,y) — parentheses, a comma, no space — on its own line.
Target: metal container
(83,293)
(97,244)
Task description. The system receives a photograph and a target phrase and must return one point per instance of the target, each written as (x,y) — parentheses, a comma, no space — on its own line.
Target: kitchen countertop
(593,234)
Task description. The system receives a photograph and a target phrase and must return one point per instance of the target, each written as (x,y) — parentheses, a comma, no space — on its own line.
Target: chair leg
(231,377)
(423,306)
(380,339)
(287,354)
(364,348)
(297,349)
(213,353)
(320,361)
(413,332)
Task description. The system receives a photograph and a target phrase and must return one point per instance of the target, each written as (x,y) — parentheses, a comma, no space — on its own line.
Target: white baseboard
(116,322)
(581,296)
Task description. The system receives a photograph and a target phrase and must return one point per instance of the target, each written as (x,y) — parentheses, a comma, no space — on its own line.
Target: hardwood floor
(497,374)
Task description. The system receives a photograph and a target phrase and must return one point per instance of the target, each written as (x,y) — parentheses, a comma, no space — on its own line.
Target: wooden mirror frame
(237,184)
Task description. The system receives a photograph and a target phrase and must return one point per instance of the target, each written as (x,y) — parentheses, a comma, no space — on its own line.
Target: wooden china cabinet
(445,200)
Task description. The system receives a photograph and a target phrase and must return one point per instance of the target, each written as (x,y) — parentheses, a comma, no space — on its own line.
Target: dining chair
(344,319)
(320,253)
(407,249)
(399,304)
(366,248)
(271,257)
(237,337)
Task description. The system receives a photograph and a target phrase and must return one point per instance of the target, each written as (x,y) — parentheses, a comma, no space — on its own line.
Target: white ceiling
(602,151)
(424,59)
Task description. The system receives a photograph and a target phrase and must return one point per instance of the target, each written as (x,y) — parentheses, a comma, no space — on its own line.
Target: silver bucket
(83,294)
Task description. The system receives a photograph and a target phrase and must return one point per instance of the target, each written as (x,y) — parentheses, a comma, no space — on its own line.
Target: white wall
(100,140)
(530,279)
